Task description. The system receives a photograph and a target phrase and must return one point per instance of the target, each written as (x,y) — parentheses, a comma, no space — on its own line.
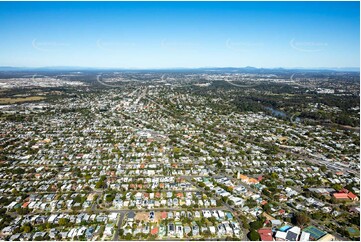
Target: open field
(8,100)
(142,216)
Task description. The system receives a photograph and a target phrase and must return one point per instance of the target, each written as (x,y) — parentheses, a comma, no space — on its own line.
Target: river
(281,114)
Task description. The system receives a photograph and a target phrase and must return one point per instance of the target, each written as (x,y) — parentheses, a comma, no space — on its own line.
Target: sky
(180,34)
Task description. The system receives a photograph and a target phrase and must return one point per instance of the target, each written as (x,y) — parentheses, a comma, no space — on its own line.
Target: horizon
(183,35)
(71,68)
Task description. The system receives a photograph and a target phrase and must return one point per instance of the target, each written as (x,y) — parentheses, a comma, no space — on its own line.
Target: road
(119,224)
(244,237)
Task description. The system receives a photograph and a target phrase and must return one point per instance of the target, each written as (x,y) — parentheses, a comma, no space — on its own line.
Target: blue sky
(180,34)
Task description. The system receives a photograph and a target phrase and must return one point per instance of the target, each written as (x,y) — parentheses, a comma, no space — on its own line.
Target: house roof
(281,211)
(266,234)
(291,236)
(252,180)
(154,231)
(131,214)
(243,177)
(343,190)
(305,236)
(25,204)
(351,195)
(296,230)
(281,235)
(340,195)
(276,222)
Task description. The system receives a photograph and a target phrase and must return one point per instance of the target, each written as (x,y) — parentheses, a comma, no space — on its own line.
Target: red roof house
(179,194)
(25,204)
(352,196)
(154,231)
(164,215)
(343,190)
(263,202)
(266,234)
(340,195)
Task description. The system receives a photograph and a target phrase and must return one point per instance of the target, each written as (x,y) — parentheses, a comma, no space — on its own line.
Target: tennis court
(315,233)
(353,232)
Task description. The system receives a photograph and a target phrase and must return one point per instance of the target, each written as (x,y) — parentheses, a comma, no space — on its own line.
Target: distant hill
(248,69)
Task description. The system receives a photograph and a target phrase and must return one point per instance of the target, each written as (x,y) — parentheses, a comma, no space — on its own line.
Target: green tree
(26,228)
(253,235)
(256,224)
(63,221)
(128,236)
(244,220)
(267,208)
(337,187)
(301,219)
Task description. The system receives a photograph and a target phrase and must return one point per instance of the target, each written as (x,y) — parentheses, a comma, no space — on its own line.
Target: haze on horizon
(180,34)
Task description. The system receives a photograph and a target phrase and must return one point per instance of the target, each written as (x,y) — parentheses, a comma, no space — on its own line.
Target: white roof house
(305,236)
(281,235)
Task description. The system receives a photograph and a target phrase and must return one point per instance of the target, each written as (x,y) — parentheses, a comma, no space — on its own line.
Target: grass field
(8,100)
(354,232)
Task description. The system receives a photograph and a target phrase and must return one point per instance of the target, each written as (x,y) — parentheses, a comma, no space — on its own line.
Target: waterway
(281,114)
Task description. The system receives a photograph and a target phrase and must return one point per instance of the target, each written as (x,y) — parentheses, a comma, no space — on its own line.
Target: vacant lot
(142,216)
(9,100)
